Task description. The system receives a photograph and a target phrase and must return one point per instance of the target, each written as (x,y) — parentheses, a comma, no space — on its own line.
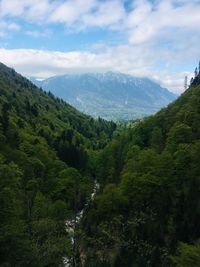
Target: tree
(157,139)
(196,72)
(199,66)
(187,256)
(5,117)
(180,133)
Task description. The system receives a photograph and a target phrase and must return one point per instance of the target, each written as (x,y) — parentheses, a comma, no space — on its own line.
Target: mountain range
(110,95)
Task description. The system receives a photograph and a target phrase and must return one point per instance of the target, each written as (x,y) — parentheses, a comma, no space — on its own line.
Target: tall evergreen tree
(196,72)
(199,66)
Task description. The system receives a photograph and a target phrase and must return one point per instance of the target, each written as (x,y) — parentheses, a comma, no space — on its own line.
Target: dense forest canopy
(146,211)
(46,170)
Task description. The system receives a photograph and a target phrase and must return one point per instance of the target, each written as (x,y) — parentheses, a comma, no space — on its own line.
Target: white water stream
(72,224)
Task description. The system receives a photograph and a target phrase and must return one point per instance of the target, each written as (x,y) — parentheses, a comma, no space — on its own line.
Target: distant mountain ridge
(109,95)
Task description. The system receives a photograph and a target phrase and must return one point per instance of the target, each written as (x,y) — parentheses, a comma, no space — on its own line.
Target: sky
(158,39)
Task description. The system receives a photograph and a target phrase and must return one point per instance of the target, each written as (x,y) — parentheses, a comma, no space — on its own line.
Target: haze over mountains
(109,95)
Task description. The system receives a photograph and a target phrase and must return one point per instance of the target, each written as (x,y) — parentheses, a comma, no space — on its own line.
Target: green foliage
(147,208)
(45,179)
(187,256)
(179,134)
(150,187)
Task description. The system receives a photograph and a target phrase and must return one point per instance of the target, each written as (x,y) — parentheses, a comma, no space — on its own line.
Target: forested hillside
(145,209)
(45,171)
(147,212)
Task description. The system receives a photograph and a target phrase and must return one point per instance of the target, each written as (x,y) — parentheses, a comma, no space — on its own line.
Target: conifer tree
(195,72)
(199,66)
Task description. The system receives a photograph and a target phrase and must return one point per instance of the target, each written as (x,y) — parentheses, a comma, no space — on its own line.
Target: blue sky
(158,39)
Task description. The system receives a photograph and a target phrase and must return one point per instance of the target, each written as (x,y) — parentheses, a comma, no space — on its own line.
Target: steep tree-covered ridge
(46,173)
(147,211)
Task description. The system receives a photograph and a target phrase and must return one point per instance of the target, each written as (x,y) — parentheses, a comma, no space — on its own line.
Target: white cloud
(155,32)
(43,64)
(12,7)
(6,27)
(172,80)
(26,9)
(144,21)
(108,13)
(148,21)
(73,13)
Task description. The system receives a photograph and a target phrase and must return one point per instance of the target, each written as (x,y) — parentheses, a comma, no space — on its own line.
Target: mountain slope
(150,192)
(109,95)
(45,171)
(149,180)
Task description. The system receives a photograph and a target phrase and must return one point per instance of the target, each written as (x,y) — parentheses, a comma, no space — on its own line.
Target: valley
(110,95)
(133,192)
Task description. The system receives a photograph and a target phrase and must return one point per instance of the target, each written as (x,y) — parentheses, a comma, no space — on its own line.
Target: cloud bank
(161,38)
